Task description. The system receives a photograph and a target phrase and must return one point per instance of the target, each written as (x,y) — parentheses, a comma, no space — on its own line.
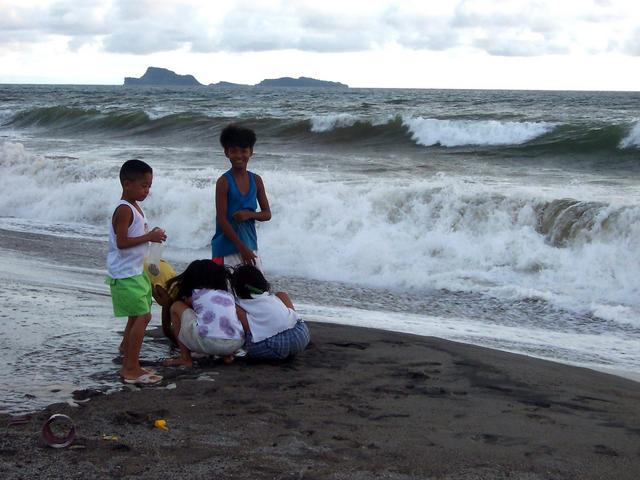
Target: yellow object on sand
(166,272)
(161,424)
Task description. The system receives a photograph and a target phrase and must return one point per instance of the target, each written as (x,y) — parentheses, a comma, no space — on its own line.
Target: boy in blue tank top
(238,194)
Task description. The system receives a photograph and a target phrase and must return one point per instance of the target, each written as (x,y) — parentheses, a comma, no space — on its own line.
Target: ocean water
(508,219)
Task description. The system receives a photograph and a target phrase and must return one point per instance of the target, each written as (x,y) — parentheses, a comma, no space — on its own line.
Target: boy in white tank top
(130,287)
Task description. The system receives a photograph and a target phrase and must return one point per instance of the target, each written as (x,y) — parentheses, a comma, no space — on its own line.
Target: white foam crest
(633,137)
(326,123)
(441,232)
(76,191)
(617,313)
(53,189)
(157,112)
(5,115)
(453,133)
(15,159)
(444,234)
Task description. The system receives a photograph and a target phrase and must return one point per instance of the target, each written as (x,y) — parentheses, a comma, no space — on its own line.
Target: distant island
(300,82)
(162,76)
(155,76)
(229,85)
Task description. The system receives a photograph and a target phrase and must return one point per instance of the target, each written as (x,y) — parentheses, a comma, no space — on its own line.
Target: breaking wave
(453,133)
(633,138)
(440,232)
(340,128)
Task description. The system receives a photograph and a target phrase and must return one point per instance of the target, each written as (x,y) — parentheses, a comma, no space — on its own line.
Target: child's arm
(284,298)
(163,298)
(222,189)
(264,215)
(122,218)
(242,316)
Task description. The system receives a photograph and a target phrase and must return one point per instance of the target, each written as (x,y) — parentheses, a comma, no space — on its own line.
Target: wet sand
(359,403)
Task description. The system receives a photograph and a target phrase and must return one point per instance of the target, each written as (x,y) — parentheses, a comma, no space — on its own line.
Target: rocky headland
(155,76)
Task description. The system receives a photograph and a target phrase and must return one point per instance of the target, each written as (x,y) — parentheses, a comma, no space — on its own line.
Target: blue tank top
(221,246)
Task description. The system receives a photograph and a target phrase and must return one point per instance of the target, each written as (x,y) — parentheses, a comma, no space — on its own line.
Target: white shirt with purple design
(216,313)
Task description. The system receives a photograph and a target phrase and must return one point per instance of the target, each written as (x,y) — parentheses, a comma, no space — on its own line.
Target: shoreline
(615,371)
(358,403)
(83,257)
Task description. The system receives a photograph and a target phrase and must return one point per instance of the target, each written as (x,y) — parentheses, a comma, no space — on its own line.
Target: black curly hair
(236,136)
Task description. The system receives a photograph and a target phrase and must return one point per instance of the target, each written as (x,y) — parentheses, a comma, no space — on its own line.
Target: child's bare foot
(228,359)
(175,362)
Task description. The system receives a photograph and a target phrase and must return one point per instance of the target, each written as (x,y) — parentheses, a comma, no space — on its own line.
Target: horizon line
(244,85)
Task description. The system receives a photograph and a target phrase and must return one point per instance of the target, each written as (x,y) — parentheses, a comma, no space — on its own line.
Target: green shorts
(131,297)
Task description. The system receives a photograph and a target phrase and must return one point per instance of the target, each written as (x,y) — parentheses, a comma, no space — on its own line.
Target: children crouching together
(220,306)
(207,318)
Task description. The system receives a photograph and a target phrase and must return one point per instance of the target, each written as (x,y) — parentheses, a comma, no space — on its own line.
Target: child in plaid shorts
(276,331)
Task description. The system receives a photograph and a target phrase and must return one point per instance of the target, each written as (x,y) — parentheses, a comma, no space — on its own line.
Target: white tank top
(267,315)
(127,262)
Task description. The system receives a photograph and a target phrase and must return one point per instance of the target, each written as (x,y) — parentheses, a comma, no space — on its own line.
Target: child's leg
(177,310)
(133,343)
(125,335)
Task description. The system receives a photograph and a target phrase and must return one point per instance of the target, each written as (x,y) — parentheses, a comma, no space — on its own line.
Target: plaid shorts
(282,345)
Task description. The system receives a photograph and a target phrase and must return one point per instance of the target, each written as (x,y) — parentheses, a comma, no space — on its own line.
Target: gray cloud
(74,18)
(420,31)
(144,27)
(498,27)
(24,25)
(509,45)
(532,16)
(295,28)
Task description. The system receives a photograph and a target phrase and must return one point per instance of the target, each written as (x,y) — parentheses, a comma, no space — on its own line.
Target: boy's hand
(248,257)
(243,215)
(157,235)
(161,296)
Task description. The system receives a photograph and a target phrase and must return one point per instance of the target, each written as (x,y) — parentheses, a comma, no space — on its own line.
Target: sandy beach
(359,403)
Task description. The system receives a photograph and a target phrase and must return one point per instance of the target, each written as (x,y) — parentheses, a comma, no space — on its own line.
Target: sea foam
(326,123)
(452,133)
(633,138)
(445,233)
(447,133)
(441,232)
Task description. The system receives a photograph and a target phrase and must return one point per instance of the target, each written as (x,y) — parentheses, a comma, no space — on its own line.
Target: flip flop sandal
(144,379)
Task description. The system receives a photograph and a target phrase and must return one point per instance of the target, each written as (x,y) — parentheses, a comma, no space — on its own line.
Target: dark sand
(358,404)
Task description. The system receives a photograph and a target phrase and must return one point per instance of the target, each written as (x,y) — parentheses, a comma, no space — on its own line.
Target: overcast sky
(519,44)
